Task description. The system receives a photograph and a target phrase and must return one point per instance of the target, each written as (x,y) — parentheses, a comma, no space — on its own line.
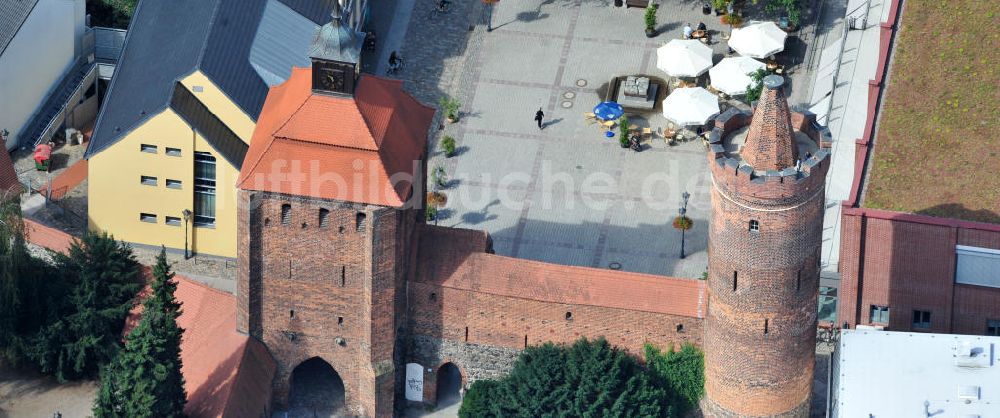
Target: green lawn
(937,151)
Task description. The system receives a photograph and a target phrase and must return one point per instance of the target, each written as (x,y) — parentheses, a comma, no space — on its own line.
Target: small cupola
(335,54)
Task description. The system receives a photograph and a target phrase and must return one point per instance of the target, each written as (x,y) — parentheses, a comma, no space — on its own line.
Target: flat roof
(903,374)
(938,140)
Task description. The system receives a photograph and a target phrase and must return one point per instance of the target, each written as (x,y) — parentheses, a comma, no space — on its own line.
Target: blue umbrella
(609,110)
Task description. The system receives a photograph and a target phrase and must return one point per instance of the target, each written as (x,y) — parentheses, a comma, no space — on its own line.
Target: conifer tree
(145,379)
(85,333)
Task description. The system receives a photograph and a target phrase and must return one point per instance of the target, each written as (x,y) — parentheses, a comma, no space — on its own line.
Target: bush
(439,176)
(587,379)
(682,374)
(733,19)
(448,145)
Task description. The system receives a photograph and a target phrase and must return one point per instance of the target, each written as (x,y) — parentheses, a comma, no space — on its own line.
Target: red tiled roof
(68,179)
(226,374)
(8,177)
(769,144)
(453,259)
(326,141)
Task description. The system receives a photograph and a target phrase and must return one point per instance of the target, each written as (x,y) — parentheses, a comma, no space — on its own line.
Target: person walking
(539,115)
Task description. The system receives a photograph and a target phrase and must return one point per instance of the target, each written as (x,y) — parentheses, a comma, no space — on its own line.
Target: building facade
(764,261)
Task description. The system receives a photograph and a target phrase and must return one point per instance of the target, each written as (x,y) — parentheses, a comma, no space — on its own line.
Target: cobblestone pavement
(564,194)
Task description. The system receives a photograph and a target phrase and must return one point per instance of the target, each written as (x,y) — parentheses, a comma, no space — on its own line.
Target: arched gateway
(316,390)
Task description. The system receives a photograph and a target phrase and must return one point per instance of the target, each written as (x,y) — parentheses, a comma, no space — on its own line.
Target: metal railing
(51,126)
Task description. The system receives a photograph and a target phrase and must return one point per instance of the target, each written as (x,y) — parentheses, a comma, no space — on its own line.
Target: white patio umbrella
(690,106)
(758,40)
(731,75)
(684,58)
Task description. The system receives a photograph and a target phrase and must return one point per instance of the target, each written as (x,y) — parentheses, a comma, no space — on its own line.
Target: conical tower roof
(336,41)
(770,143)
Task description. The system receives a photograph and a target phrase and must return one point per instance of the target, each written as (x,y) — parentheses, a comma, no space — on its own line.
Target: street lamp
(187,221)
(683,212)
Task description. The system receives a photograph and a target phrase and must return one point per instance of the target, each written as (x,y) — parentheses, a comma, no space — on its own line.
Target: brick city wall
(310,290)
(907,262)
(482,333)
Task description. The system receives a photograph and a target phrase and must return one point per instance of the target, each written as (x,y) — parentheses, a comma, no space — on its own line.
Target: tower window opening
(267,221)
(466,334)
(680,327)
(359,221)
(291,313)
(324,218)
(765,326)
(434,296)
(754,225)
(343,275)
(735,277)
(340,320)
(286,214)
(525,341)
(569,316)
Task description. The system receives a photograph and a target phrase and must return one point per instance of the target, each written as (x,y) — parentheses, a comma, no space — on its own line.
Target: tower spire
(770,143)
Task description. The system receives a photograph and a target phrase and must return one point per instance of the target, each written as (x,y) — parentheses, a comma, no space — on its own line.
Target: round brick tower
(764,248)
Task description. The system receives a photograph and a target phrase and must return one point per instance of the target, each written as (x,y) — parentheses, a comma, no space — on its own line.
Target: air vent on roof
(968,392)
(970,353)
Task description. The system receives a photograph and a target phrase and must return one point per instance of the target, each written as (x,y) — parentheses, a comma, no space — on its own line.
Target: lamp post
(187,221)
(683,212)
(488,13)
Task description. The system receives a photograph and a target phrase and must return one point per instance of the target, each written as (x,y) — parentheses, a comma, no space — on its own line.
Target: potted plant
(450,108)
(623,136)
(683,223)
(436,199)
(720,6)
(650,21)
(448,145)
(732,19)
(439,177)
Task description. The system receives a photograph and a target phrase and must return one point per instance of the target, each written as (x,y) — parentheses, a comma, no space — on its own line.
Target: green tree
(26,285)
(587,379)
(756,86)
(681,373)
(103,278)
(111,13)
(145,379)
(792,8)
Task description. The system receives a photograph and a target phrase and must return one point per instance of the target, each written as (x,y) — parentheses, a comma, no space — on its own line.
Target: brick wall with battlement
(478,310)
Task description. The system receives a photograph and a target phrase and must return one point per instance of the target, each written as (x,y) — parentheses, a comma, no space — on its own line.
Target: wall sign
(414,382)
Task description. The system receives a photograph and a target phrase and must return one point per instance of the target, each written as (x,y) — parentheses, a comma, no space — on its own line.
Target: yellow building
(180,111)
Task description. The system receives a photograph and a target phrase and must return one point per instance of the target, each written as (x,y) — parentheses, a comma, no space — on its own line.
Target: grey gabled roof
(218,135)
(13,13)
(168,40)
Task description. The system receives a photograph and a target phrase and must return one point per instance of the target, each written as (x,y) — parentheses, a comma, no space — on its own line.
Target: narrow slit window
(286,214)
(735,277)
(466,334)
(324,218)
(291,313)
(340,320)
(343,275)
(765,326)
(525,341)
(359,221)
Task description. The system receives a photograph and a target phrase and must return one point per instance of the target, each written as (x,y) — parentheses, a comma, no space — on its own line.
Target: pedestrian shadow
(476,218)
(551,122)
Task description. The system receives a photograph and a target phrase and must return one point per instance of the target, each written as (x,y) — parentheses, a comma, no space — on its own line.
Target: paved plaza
(564,194)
